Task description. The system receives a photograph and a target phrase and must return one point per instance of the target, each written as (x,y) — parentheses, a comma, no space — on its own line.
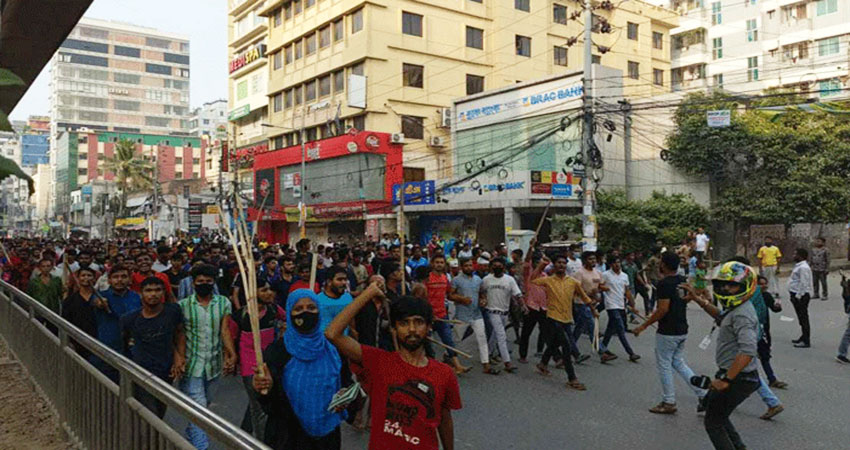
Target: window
(157,121)
(287,52)
(339,81)
(277,142)
(411,24)
(184,73)
(277,17)
(93,102)
(297,6)
(83,156)
(560,56)
(298,95)
(596,59)
(717,48)
(120,50)
(85,46)
(178,160)
(632,31)
(522,5)
(325,86)
(523,45)
(94,33)
(126,78)
(309,91)
(325,37)
(277,60)
(475,38)
(752,31)
(828,46)
(658,77)
(126,105)
(310,44)
(241,90)
(356,21)
(559,14)
(716,15)
(82,172)
(828,88)
(158,68)
(634,70)
(298,49)
(89,60)
(657,40)
(287,11)
(277,101)
(753,68)
(827,7)
(287,99)
(309,3)
(412,127)
(310,134)
(474,84)
(339,31)
(158,43)
(176,59)
(412,75)
(358,69)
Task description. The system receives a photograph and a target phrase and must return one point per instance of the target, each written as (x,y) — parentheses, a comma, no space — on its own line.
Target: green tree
(132,172)
(638,224)
(766,168)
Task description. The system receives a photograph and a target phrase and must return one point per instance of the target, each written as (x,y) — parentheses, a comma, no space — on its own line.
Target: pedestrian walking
(594,286)
(616,299)
(800,290)
(844,345)
(769,257)
(466,291)
(499,291)
(672,319)
(734,284)
(820,269)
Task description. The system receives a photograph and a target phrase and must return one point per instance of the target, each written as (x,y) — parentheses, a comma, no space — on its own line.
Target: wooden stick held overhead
(543,218)
(459,352)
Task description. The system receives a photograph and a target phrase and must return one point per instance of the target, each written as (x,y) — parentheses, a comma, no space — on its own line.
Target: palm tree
(132,172)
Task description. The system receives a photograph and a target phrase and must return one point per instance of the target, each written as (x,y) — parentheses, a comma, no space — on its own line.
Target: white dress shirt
(800,282)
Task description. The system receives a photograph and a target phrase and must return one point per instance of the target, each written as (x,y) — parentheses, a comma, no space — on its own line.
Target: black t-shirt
(675,322)
(80,312)
(150,341)
(175,279)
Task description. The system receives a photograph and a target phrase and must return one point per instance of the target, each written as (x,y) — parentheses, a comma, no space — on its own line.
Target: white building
(207,119)
(41,199)
(746,46)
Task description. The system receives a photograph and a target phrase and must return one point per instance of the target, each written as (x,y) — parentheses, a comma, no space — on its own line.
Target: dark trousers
(719,406)
(330,441)
(616,325)
(149,401)
(531,320)
(560,337)
(819,280)
(644,292)
(801,307)
(764,357)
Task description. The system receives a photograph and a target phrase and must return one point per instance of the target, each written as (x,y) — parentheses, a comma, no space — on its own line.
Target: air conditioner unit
(445,118)
(397,138)
(437,141)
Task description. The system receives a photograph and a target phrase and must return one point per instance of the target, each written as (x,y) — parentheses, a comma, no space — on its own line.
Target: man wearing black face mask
(208,341)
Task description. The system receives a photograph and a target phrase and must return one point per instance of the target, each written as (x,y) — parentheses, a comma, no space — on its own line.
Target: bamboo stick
(459,352)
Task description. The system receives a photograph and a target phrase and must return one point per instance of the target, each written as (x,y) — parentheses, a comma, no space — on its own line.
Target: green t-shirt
(699,278)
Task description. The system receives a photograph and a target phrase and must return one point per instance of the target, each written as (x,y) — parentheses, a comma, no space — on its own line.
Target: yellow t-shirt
(769,256)
(560,293)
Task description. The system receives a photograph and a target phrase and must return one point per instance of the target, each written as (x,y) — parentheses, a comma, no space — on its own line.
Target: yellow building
(395,65)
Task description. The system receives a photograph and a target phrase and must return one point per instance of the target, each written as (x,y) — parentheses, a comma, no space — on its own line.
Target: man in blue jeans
(671,315)
(208,341)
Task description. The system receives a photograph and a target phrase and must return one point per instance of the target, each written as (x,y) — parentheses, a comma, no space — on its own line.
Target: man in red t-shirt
(144,270)
(412,396)
(439,288)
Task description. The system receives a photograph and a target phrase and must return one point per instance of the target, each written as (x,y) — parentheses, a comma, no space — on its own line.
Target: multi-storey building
(749,46)
(209,119)
(81,156)
(396,66)
(111,76)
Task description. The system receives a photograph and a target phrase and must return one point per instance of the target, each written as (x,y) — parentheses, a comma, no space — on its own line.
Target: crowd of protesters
(363,337)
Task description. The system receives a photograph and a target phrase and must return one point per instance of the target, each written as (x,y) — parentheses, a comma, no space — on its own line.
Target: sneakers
(778,384)
(802,345)
(771,412)
(701,404)
(842,359)
(634,357)
(608,356)
(664,408)
(582,358)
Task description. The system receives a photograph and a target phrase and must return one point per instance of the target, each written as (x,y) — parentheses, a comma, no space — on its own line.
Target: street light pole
(303,172)
(588,237)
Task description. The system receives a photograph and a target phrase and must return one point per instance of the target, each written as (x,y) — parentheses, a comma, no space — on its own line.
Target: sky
(203,21)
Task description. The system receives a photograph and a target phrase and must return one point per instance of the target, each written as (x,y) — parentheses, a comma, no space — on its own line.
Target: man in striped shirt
(208,341)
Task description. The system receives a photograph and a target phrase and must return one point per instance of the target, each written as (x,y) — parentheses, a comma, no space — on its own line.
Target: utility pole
(627,145)
(588,214)
(303,136)
(400,226)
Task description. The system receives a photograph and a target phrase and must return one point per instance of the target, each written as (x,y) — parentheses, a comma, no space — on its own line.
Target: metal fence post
(64,382)
(125,421)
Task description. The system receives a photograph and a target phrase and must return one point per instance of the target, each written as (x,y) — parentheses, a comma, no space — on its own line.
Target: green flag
(9,168)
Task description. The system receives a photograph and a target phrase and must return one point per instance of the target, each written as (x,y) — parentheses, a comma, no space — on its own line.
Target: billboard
(536,99)
(416,193)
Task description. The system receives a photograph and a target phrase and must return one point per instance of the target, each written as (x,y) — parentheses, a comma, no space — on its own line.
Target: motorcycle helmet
(728,275)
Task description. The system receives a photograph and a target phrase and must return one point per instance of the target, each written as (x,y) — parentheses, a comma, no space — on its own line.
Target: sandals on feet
(576,385)
(491,371)
(542,370)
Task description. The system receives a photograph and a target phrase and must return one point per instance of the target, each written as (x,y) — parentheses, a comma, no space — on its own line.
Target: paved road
(526,411)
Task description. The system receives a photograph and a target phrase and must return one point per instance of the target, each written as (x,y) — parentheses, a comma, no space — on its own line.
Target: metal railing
(94,411)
